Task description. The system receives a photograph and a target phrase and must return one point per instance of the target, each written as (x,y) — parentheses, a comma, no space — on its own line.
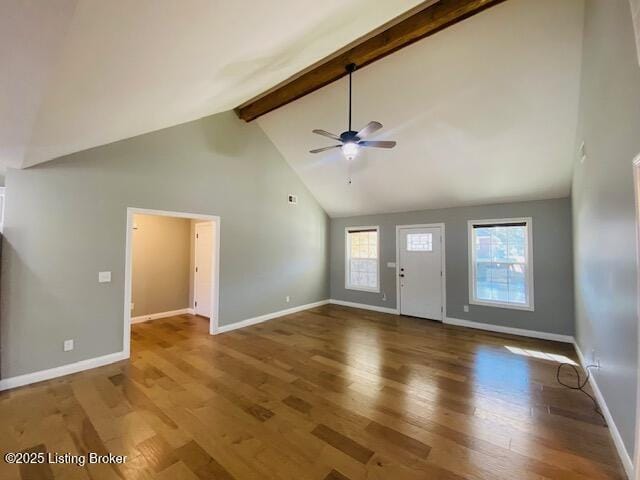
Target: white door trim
(215,271)
(444,270)
(636,185)
(3,202)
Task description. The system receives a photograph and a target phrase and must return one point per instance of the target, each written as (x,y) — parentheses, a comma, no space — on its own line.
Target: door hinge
(196,304)
(440,272)
(197,235)
(196,269)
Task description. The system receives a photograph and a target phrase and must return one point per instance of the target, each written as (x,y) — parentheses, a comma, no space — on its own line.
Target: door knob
(402,275)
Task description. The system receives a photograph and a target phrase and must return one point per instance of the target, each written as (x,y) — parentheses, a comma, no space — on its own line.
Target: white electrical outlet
(67,346)
(466,308)
(384,296)
(287,299)
(104,277)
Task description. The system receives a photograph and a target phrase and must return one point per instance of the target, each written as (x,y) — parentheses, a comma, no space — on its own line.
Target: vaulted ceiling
(483,112)
(81,73)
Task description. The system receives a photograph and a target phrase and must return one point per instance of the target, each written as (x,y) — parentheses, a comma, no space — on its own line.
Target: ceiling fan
(351,141)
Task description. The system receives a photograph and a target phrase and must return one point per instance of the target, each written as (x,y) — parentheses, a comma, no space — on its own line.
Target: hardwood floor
(329,393)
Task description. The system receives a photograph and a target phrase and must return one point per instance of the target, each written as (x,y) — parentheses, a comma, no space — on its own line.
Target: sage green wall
(552,262)
(604,208)
(160,264)
(66,221)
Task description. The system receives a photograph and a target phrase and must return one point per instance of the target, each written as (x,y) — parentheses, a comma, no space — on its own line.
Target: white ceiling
(484,111)
(31,35)
(81,73)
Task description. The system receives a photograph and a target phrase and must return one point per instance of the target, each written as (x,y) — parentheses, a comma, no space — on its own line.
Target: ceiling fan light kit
(350,150)
(350,140)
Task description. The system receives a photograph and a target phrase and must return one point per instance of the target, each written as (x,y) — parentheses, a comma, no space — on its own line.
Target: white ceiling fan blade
(368,129)
(318,150)
(324,133)
(378,143)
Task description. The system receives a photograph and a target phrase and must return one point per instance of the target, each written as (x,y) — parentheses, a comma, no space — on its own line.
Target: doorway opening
(420,270)
(171,267)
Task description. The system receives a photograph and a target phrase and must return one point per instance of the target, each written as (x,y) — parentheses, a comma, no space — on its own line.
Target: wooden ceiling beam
(422,22)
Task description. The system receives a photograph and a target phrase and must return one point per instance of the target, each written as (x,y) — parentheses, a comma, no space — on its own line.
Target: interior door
(420,272)
(204,268)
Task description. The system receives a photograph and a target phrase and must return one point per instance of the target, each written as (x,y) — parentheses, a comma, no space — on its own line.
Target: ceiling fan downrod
(350,69)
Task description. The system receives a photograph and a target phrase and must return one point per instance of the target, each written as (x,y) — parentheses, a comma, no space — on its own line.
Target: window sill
(363,289)
(509,306)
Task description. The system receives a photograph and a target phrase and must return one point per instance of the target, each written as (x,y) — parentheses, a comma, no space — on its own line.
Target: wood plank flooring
(329,393)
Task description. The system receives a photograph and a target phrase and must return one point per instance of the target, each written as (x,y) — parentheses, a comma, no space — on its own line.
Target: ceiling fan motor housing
(349,136)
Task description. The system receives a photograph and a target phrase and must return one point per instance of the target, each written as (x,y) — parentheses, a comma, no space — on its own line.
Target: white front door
(420,272)
(204,268)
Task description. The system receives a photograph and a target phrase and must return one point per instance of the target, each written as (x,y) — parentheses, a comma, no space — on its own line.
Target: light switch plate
(104,277)
(67,346)
(466,308)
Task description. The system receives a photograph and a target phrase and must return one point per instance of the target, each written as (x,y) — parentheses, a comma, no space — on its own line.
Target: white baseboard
(155,316)
(42,375)
(615,434)
(268,316)
(511,330)
(393,311)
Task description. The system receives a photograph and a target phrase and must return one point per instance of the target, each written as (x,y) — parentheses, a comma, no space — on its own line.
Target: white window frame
(347,267)
(529,260)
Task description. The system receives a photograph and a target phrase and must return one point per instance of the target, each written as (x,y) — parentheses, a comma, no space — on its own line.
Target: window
(419,242)
(362,253)
(500,270)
